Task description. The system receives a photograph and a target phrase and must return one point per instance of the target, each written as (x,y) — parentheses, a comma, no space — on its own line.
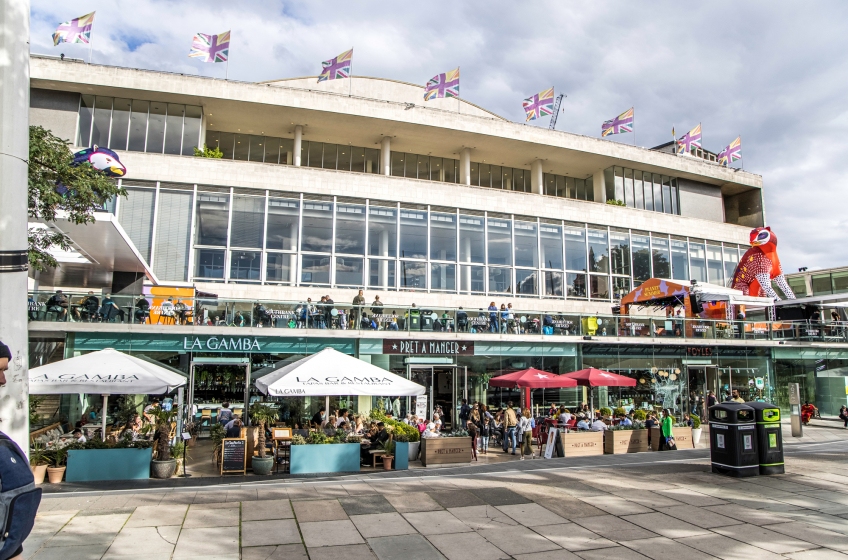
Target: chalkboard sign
(234,455)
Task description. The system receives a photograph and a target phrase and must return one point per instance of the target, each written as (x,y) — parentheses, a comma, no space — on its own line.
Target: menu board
(234,455)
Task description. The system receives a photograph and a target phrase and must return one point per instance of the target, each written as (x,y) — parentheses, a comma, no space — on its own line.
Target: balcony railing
(285,315)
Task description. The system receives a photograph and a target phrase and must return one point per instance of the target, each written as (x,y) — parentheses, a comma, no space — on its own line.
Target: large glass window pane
(641,258)
(839,281)
(821,284)
(357,159)
(210,263)
(257,148)
(413,234)
(331,153)
(471,246)
(526,244)
(500,280)
(580,186)
(450,166)
(549,181)
(576,285)
(551,246)
(245,265)
(553,283)
(423,167)
(628,187)
(272,150)
(619,184)
(382,232)
(638,193)
(500,241)
(191,129)
(156,127)
(620,287)
(658,203)
(282,224)
(659,250)
(598,251)
(714,266)
(287,151)
(212,217)
(609,183)
(349,271)
(442,236)
(525,282)
(314,155)
(241,149)
(102,121)
(697,261)
(350,230)
(518,177)
(497,177)
(174,129)
(475,174)
(443,277)
(226,143)
(248,221)
(315,269)
(472,279)
(620,252)
(437,171)
(666,191)
(381,274)
(398,163)
(680,259)
(120,124)
(86,113)
(599,286)
(344,158)
(138,126)
(410,166)
(674,197)
(648,189)
(575,249)
(413,275)
(731,259)
(279,268)
(372,161)
(317,227)
(570,188)
(485,175)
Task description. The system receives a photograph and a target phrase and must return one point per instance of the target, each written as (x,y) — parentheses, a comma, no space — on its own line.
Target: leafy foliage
(619,411)
(389,447)
(696,421)
(637,425)
(262,415)
(605,411)
(639,415)
(34,402)
(207,152)
(612,202)
(38,455)
(298,439)
(163,419)
(400,429)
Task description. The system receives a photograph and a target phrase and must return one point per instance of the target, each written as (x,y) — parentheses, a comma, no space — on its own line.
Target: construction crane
(555,114)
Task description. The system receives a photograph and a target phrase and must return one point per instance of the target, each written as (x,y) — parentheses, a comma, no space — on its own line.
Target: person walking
(510,423)
(843,415)
(464,413)
(525,426)
(666,432)
(493,317)
(472,424)
(487,428)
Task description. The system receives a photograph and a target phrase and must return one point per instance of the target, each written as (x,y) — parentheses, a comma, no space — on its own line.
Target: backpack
(19,498)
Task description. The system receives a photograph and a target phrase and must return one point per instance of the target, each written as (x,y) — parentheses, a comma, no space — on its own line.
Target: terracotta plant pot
(163,469)
(38,473)
(55,474)
(387,462)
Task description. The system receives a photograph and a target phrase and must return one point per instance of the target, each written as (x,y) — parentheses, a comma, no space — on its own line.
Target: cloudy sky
(773,71)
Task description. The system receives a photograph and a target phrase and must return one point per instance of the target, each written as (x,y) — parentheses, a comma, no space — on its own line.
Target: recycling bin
(769,437)
(414,320)
(733,440)
(426,320)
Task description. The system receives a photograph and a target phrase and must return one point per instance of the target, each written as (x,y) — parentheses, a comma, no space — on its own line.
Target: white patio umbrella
(105,372)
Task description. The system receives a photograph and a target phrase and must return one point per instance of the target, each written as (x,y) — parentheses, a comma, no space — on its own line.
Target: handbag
(669,443)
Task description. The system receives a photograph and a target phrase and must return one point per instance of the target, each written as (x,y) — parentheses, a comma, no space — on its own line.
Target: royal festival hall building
(439,208)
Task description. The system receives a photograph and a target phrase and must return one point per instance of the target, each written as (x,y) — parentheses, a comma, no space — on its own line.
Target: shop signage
(421,406)
(428,347)
(232,343)
(233,455)
(699,351)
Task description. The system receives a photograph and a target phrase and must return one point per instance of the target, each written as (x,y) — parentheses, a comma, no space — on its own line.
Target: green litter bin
(769,437)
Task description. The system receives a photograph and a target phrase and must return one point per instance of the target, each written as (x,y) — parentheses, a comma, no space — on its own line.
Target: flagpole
(350,76)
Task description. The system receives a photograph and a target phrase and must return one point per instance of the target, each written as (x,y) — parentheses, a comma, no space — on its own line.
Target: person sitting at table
(142,310)
(88,308)
(582,423)
(109,310)
(564,416)
(78,436)
(430,431)
(58,304)
(688,420)
(181,311)
(599,425)
(233,428)
(132,427)
(225,414)
(624,420)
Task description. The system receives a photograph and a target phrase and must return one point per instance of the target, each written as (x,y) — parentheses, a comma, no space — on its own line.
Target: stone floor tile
(649,499)
(382,525)
(614,528)
(436,522)
(154,515)
(89,530)
(499,496)
(357,489)
(573,537)
(242,495)
(86,552)
(560,554)
(746,515)
(52,521)
(606,554)
(302,493)
(691,497)
(331,491)
(207,542)
(483,517)
(318,510)
(532,514)
(665,525)
(456,498)
(764,538)
(329,533)
(466,546)
(413,501)
(517,540)
(816,554)
(157,542)
(281,552)
(261,510)
(362,505)
(812,534)
(700,517)
(661,548)
(269,532)
(616,505)
(727,548)
(200,515)
(569,508)
(349,552)
(406,547)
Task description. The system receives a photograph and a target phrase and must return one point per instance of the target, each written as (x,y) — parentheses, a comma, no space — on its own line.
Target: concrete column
(599,187)
(14,151)
(386,156)
(465,167)
(298,142)
(537,178)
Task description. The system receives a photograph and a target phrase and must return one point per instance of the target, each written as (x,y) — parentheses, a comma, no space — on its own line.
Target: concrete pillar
(14,152)
(465,167)
(599,187)
(298,142)
(386,156)
(537,178)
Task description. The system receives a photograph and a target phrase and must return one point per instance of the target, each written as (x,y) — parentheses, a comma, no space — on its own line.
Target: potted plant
(178,452)
(163,466)
(639,415)
(262,415)
(58,457)
(38,462)
(216,436)
(696,429)
(389,447)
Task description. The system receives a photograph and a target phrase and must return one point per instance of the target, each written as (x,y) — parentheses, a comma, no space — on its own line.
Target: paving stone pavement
(634,510)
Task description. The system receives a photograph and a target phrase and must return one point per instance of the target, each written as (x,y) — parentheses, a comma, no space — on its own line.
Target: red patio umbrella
(593,377)
(532,379)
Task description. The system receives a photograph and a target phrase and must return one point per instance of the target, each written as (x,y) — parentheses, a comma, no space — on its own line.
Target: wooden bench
(42,431)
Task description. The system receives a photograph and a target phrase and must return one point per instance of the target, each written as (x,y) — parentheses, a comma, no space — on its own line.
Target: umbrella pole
(103,414)
(327,408)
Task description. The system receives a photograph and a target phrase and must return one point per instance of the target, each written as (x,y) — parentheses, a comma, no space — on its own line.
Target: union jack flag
(75,31)
(691,139)
(443,85)
(336,68)
(621,123)
(731,153)
(211,48)
(539,105)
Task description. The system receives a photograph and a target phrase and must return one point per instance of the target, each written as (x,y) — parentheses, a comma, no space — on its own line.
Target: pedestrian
(464,413)
(493,317)
(487,428)
(650,422)
(510,422)
(471,424)
(525,427)
(666,432)
(711,400)
(843,415)
(356,312)
(734,396)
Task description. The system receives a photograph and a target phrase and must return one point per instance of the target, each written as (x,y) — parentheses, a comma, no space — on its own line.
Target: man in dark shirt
(464,412)
(58,304)
(318,417)
(381,437)
(461,321)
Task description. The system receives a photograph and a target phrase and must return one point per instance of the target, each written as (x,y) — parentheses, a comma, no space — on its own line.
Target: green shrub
(616,202)
(696,421)
(639,415)
(207,152)
(619,411)
(605,411)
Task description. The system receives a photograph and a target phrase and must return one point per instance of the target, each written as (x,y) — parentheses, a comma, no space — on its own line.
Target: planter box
(440,450)
(582,444)
(413,450)
(325,458)
(401,462)
(86,465)
(682,438)
(625,441)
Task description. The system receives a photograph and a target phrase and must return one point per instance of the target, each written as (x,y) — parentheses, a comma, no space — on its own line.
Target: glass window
(553,283)
(659,249)
(570,188)
(600,286)
(638,193)
(102,121)
(580,187)
(619,184)
(697,261)
(551,241)
(191,129)
(575,249)
(314,154)
(620,287)
(485,175)
(620,252)
(357,159)
(798,285)
(138,126)
(576,285)
(666,192)
(344,158)
(372,161)
(156,127)
(839,281)
(648,189)
(350,229)
(174,129)
(658,202)
(471,246)
(443,277)
(497,177)
(210,263)
(272,150)
(248,221)
(413,234)
(241,149)
(500,242)
(423,167)
(212,219)
(598,251)
(410,166)
(226,143)
(628,187)
(86,113)
(821,284)
(442,237)
(257,148)
(331,152)
(472,279)
(397,163)
(317,228)
(680,259)
(526,244)
(560,187)
(674,197)
(437,171)
(382,232)
(381,273)
(609,183)
(279,268)
(731,258)
(413,275)
(120,124)
(315,269)
(450,165)
(349,271)
(525,282)
(500,280)
(282,224)
(714,266)
(245,265)
(550,184)
(641,258)
(475,174)
(518,176)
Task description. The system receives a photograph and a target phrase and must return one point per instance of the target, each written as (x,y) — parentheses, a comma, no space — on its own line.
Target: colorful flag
(731,153)
(691,139)
(211,48)
(336,68)
(539,105)
(75,31)
(621,123)
(443,85)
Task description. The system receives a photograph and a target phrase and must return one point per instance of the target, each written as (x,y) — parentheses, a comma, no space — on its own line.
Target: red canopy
(533,379)
(592,377)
